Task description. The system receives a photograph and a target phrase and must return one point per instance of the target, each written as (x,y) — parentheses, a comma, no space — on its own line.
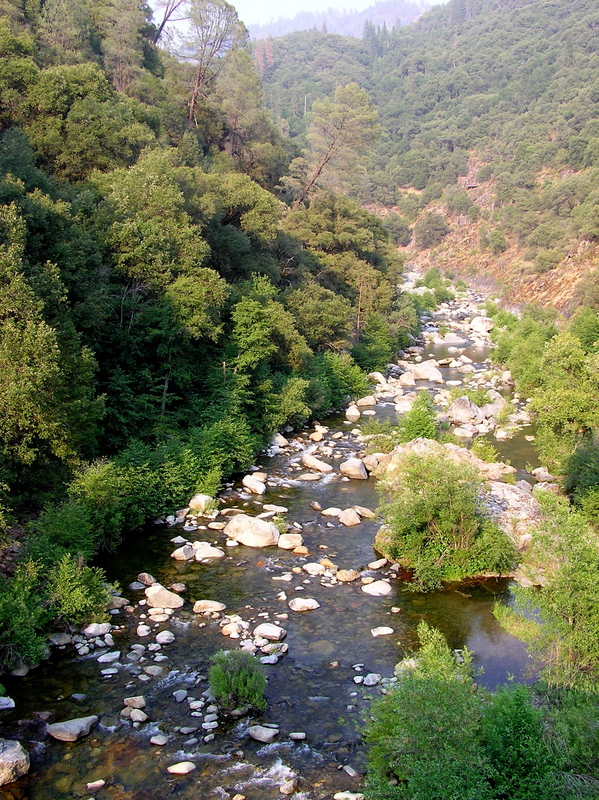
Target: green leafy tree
(18,72)
(120,23)
(430,230)
(419,421)
(214,33)
(342,127)
(322,317)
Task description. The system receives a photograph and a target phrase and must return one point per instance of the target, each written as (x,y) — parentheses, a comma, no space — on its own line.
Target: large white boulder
(427,371)
(14,761)
(353,468)
(72,729)
(204,550)
(270,631)
(253,485)
(303,604)
(315,463)
(251,531)
(482,325)
(377,588)
(464,410)
(159,597)
(349,517)
(207,606)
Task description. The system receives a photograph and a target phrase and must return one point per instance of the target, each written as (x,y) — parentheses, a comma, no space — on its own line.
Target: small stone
(108,658)
(379,564)
(349,517)
(372,679)
(182,768)
(165,637)
(159,740)
(303,604)
(180,695)
(139,701)
(270,631)
(381,631)
(137,715)
(208,606)
(95,786)
(377,589)
(146,578)
(347,575)
(351,771)
(297,736)
(143,630)
(288,787)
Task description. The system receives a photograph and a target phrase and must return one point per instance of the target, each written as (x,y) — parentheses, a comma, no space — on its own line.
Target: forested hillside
(499,99)
(160,314)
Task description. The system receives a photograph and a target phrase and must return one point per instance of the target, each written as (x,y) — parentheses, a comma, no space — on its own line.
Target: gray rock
(199,503)
(349,517)
(353,468)
(14,761)
(181,768)
(6,703)
(463,410)
(146,578)
(482,325)
(289,541)
(72,729)
(372,679)
(97,629)
(263,734)
(165,637)
(253,485)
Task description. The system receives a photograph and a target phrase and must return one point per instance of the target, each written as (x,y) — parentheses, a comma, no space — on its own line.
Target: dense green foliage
(437,736)
(237,680)
(161,310)
(435,524)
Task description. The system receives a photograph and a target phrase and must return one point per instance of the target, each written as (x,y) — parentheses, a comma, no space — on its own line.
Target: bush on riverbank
(435,735)
(435,524)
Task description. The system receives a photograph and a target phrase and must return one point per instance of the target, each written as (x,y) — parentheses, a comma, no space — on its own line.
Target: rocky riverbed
(282,565)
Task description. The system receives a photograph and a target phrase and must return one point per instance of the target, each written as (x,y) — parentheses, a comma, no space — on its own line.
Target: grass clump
(436,524)
(237,680)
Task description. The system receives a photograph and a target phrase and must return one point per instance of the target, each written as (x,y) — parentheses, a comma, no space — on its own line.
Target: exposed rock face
(72,729)
(252,532)
(14,761)
(513,508)
(353,468)
(315,463)
(159,597)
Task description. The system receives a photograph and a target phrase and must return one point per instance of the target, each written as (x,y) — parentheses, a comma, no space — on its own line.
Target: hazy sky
(257,12)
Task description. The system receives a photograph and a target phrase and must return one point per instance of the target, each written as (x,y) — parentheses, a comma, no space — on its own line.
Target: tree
(430,230)
(341,128)
(169,10)
(215,32)
(120,24)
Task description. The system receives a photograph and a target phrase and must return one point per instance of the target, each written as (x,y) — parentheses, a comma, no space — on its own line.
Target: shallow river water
(311,689)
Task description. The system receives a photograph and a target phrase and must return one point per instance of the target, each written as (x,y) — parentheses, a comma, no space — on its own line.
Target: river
(311,689)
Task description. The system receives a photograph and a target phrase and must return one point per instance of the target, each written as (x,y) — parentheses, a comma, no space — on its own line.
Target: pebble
(381,631)
(180,695)
(182,768)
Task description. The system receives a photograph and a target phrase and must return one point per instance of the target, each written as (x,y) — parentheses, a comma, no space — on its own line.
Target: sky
(259,12)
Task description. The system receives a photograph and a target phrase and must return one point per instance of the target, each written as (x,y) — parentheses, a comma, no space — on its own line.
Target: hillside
(345,22)
(510,86)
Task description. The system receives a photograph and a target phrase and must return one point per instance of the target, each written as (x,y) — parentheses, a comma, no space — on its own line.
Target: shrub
(484,449)
(521,764)
(237,680)
(423,734)
(419,421)
(435,523)
(398,228)
(22,618)
(430,230)
(479,395)
(77,593)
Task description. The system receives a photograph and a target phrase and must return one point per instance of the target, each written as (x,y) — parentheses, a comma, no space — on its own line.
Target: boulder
(184,553)
(208,607)
(251,531)
(199,503)
(303,604)
(377,588)
(349,517)
(407,379)
(138,701)
(363,511)
(369,400)
(146,578)
(464,410)
(289,541)
(14,761)
(353,414)
(347,575)
(278,440)
(377,377)
(482,324)
(314,463)
(72,729)
(96,629)
(159,597)
(353,468)
(6,703)
(261,733)
(270,631)
(427,371)
(253,485)
(204,550)
(165,637)
(332,511)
